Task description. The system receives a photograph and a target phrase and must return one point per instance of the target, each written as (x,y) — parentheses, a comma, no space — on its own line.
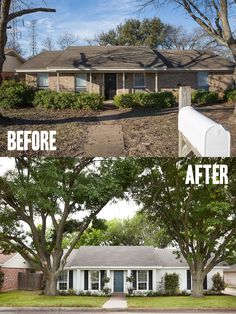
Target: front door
(118,281)
(110,86)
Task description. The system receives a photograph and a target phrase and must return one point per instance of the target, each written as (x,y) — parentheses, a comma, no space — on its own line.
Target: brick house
(13,60)
(114,70)
(11,265)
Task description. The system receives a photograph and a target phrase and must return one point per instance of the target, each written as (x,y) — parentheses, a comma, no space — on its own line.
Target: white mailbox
(207,137)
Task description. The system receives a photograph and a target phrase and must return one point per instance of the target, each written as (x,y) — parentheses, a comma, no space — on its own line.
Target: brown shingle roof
(194,59)
(41,61)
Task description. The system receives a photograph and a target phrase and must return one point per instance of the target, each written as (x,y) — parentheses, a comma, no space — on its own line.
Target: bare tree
(66,40)
(48,43)
(6,16)
(212,15)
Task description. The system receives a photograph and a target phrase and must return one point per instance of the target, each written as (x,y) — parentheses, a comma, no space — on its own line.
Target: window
(142,280)
(42,80)
(81,83)
(203,80)
(94,279)
(139,80)
(63,280)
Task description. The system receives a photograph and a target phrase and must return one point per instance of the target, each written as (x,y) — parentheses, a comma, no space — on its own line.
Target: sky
(120,209)
(87,18)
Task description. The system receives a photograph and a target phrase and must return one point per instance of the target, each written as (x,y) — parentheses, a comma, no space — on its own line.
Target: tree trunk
(50,284)
(197,281)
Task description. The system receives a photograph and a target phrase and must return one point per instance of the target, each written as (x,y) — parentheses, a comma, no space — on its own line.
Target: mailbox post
(198,134)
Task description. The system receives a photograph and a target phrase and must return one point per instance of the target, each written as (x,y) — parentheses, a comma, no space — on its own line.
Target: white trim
(58,82)
(135,267)
(90,81)
(147,282)
(156,82)
(124,82)
(145,81)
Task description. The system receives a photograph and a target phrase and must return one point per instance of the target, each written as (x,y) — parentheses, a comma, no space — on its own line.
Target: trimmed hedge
(58,100)
(230,95)
(151,100)
(15,94)
(202,97)
(171,282)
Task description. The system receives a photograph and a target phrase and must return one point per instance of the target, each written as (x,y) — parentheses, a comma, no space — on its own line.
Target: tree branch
(14,15)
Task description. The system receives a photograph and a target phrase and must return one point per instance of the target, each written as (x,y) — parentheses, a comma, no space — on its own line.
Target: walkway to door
(117,301)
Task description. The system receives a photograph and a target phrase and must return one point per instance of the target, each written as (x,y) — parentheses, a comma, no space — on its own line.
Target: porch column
(109,276)
(156,82)
(78,280)
(123,82)
(58,82)
(154,279)
(90,81)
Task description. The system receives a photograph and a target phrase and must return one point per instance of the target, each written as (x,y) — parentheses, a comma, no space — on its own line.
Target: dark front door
(110,86)
(118,281)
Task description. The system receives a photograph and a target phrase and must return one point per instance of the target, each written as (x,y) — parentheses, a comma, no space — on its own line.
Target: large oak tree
(62,195)
(200,219)
(6,16)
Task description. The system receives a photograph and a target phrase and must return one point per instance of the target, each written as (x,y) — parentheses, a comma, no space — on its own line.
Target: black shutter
(205,283)
(189,283)
(150,280)
(134,275)
(102,279)
(71,285)
(86,280)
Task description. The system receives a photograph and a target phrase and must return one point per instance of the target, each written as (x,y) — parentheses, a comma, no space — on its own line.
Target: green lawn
(183,302)
(34,299)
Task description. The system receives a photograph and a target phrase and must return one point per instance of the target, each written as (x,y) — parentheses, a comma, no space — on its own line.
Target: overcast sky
(121,209)
(88,18)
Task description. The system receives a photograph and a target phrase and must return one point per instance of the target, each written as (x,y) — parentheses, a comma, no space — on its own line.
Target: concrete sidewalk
(117,302)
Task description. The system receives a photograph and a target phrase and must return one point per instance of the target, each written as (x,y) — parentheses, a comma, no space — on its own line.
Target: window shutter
(189,283)
(205,283)
(150,280)
(71,285)
(102,284)
(134,275)
(86,280)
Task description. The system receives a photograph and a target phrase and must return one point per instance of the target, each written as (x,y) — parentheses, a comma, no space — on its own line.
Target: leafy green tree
(63,195)
(201,219)
(148,32)
(137,230)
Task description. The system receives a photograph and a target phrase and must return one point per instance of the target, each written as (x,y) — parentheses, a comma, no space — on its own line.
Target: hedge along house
(115,70)
(87,268)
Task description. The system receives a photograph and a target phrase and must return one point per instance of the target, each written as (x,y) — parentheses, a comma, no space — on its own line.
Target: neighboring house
(13,61)
(87,267)
(11,265)
(230,276)
(115,70)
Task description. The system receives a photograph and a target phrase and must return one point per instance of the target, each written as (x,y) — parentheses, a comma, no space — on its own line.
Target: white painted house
(87,267)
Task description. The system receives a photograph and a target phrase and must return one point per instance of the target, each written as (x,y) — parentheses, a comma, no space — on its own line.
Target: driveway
(230,291)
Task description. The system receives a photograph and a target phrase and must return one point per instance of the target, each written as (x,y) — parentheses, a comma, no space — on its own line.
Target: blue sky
(87,18)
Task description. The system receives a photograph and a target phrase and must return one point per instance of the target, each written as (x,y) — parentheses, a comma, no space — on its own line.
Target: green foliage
(15,94)
(1,279)
(152,100)
(202,97)
(230,95)
(106,291)
(149,32)
(58,100)
(218,283)
(171,284)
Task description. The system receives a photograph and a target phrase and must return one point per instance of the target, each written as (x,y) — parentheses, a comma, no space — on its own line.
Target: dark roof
(193,59)
(125,256)
(11,52)
(41,61)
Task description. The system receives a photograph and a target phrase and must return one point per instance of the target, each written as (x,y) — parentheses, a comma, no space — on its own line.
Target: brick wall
(220,81)
(11,278)
(172,80)
(31,79)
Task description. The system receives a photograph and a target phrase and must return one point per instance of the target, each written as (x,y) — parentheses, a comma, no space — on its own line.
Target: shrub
(58,100)
(15,94)
(230,95)
(218,283)
(171,282)
(1,279)
(202,97)
(147,100)
(106,291)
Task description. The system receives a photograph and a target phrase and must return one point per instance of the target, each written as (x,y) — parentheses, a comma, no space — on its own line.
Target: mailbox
(207,137)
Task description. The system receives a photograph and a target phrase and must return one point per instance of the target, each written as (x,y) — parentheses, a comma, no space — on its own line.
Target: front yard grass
(218,302)
(34,299)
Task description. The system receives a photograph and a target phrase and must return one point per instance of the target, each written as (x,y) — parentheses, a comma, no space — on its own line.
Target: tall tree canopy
(63,195)
(137,230)
(6,16)
(214,16)
(201,219)
(148,32)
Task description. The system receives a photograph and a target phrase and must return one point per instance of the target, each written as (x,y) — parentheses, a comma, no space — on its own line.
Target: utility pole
(13,33)
(33,30)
